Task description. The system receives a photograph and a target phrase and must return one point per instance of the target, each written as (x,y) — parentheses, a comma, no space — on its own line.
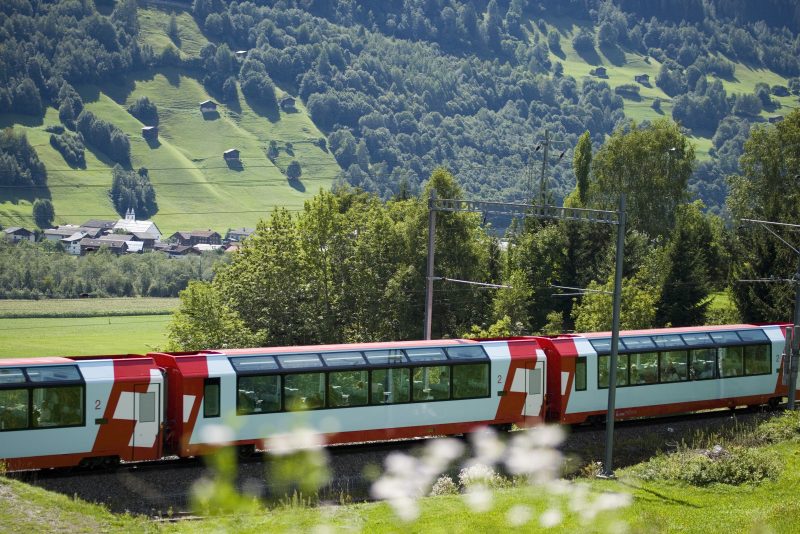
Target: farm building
(231,154)
(208,106)
(150,133)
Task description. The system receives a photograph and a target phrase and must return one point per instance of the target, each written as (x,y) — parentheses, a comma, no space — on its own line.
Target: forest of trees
(403,87)
(352,268)
(43,270)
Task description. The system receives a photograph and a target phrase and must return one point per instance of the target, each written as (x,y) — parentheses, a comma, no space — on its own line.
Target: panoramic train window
(603,363)
(426,355)
(703,364)
(298,361)
(55,373)
(725,338)
(638,343)
(752,335)
(390,386)
(471,381)
(211,397)
(258,394)
(668,340)
(644,368)
(697,338)
(57,406)
(336,359)
(254,364)
(673,366)
(580,373)
(11,376)
(13,409)
(347,388)
(468,352)
(757,360)
(304,391)
(731,361)
(431,383)
(385,357)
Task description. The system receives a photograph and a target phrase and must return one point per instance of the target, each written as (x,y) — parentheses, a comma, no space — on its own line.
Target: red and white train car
(664,371)
(63,412)
(353,393)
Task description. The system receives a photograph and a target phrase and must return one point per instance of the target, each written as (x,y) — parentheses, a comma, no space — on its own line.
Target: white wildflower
(487,446)
(301,439)
(217,434)
(551,518)
(476,474)
(518,515)
(479,498)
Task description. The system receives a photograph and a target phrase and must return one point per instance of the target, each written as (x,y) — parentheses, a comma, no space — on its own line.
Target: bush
(444,485)
(627,89)
(293,171)
(71,148)
(144,110)
(735,466)
(480,474)
(783,428)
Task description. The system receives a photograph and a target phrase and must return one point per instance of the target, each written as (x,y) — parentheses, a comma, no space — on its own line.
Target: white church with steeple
(142,229)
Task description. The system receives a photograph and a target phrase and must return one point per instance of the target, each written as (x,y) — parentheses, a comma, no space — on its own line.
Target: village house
(72,244)
(60,232)
(196,237)
(231,154)
(775,119)
(117,246)
(288,103)
(208,106)
(643,79)
(100,224)
(145,230)
(600,72)
(15,234)
(239,234)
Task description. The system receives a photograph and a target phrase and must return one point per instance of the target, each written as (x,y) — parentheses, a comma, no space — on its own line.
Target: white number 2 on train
(97,404)
(499,379)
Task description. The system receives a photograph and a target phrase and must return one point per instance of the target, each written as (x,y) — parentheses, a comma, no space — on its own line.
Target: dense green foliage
(133,190)
(41,270)
(104,136)
(43,213)
(145,110)
(768,189)
(71,148)
(19,164)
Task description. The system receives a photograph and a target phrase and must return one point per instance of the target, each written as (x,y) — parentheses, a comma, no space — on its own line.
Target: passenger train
(100,410)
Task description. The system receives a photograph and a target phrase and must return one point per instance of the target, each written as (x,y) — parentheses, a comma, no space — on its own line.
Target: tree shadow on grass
(234,165)
(614,54)
(589,56)
(297,185)
(29,121)
(27,193)
(271,112)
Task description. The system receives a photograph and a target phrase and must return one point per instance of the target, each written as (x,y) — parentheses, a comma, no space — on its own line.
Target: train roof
(44,360)
(678,330)
(348,347)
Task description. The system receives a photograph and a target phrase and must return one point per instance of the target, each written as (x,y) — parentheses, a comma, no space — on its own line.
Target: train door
(535,388)
(147,421)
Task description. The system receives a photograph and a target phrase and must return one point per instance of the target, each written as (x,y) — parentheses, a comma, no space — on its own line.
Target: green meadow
(81,336)
(195,188)
(622,65)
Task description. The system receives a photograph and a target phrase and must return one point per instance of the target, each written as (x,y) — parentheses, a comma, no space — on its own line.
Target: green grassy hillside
(195,188)
(622,65)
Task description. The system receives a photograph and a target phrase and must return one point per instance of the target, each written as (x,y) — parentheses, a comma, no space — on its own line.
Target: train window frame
(6,377)
(34,420)
(470,363)
(768,349)
(394,357)
(300,361)
(26,405)
(693,375)
(428,391)
(332,389)
(345,359)
(209,383)
(720,363)
(409,379)
(251,376)
(284,386)
(580,362)
(661,374)
(640,370)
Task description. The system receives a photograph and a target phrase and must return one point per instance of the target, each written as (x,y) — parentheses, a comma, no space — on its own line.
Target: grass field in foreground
(82,336)
(658,507)
(104,307)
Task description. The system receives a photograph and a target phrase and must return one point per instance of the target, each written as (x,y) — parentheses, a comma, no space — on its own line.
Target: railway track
(162,489)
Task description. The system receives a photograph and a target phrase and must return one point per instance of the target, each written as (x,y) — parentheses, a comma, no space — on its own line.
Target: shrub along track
(164,487)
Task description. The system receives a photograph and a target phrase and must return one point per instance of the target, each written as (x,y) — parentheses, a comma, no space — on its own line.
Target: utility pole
(542,196)
(429,274)
(608,465)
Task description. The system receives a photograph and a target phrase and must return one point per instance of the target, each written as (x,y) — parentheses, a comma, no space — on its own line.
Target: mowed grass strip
(126,334)
(96,307)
